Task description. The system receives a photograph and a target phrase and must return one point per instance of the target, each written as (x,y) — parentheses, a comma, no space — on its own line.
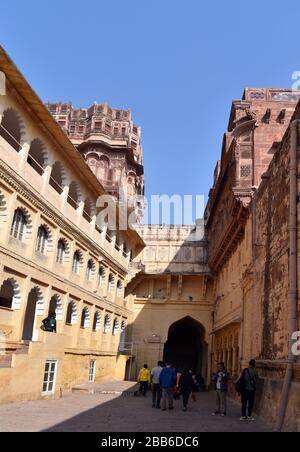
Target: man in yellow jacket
(144,379)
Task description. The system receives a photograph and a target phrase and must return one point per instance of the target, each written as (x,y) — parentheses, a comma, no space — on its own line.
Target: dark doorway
(30,315)
(185,346)
(7,294)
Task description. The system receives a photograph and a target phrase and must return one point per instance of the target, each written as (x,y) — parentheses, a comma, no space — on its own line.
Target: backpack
(241,383)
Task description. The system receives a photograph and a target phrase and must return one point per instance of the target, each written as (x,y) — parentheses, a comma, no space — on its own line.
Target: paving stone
(103,412)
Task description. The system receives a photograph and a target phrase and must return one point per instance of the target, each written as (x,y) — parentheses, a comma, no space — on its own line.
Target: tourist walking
(186,386)
(156,389)
(221,379)
(167,380)
(144,380)
(249,379)
(177,392)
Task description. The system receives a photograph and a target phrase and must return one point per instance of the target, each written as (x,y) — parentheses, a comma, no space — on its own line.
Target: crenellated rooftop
(99,122)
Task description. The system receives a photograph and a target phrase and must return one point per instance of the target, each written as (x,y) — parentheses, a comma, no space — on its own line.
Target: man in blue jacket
(167,381)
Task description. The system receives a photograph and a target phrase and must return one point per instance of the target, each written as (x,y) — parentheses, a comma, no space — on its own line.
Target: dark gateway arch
(186,347)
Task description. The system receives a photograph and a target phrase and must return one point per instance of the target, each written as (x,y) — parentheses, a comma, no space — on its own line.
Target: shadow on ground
(126,413)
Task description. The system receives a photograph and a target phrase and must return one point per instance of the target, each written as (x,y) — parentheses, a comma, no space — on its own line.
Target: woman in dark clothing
(186,385)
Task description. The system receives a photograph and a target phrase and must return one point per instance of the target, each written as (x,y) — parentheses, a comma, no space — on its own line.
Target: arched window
(57,178)
(101,279)
(77,259)
(61,251)
(6,294)
(131,190)
(106,325)
(37,156)
(42,239)
(117,173)
(19,223)
(85,318)
(119,288)
(115,327)
(10,294)
(56,307)
(10,128)
(92,163)
(74,195)
(97,321)
(111,282)
(71,318)
(90,270)
(103,169)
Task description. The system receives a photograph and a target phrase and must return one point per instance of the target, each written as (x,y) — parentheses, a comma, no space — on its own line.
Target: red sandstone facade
(247,221)
(257,124)
(111,145)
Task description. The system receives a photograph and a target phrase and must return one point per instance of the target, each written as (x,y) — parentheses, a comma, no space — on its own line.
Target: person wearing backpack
(186,386)
(247,388)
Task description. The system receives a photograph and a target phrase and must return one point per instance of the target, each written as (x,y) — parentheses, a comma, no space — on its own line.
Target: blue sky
(176,64)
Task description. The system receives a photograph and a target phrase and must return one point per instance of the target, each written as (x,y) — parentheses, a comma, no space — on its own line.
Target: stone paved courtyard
(109,411)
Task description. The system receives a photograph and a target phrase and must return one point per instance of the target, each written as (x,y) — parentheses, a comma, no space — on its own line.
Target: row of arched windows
(44,244)
(85,321)
(10,298)
(12,129)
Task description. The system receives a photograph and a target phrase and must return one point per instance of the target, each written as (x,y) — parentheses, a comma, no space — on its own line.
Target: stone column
(79,211)
(46,177)
(64,197)
(23,154)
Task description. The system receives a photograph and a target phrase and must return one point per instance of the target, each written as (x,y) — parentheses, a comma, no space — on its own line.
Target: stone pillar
(46,177)
(36,223)
(80,210)
(64,197)
(23,154)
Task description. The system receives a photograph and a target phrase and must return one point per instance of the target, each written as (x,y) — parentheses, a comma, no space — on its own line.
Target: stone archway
(34,307)
(186,347)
